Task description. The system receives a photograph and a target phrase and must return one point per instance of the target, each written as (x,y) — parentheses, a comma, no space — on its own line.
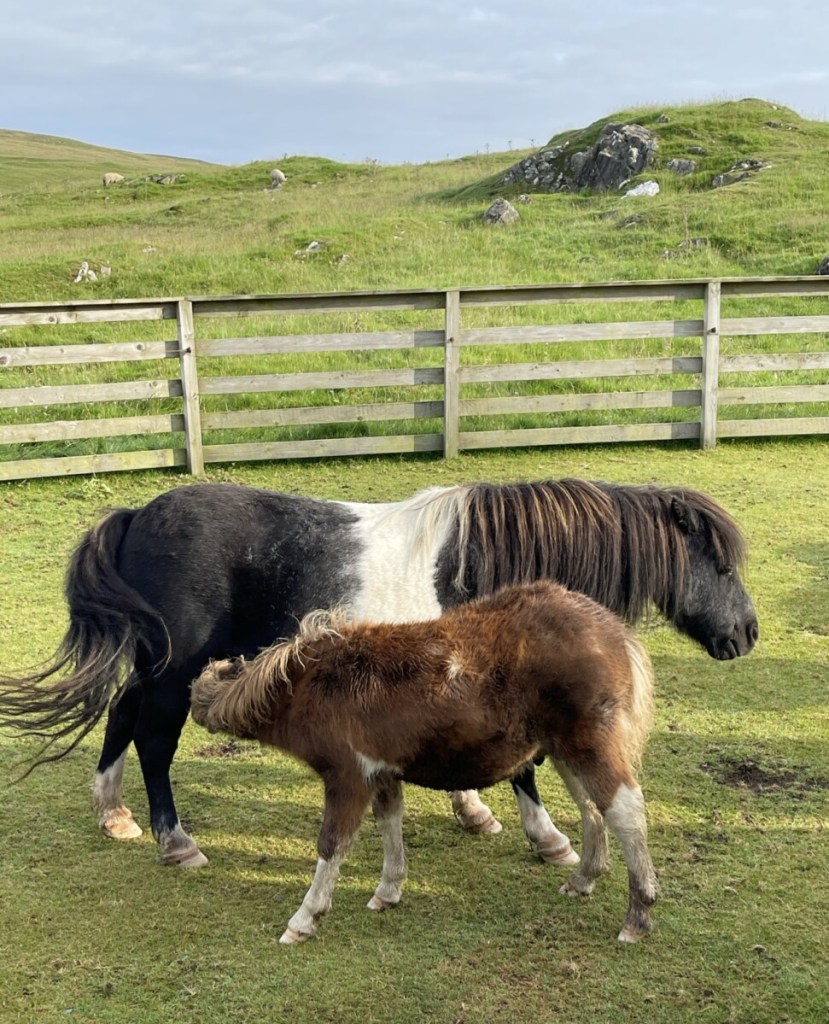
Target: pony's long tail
(640,712)
(108,622)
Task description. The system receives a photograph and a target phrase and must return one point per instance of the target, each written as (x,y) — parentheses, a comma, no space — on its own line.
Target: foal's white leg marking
(626,819)
(179,850)
(316,903)
(388,892)
(114,819)
(551,845)
(473,814)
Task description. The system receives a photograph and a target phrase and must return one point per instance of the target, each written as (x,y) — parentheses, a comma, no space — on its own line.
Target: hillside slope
(27,159)
(221,230)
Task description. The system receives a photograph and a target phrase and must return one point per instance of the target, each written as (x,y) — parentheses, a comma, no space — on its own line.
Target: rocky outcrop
(739,171)
(501,212)
(620,153)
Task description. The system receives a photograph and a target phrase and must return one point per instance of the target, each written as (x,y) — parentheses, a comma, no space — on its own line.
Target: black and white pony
(218,570)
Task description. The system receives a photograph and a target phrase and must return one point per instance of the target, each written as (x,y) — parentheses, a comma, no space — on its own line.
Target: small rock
(823,267)
(680,165)
(645,188)
(501,212)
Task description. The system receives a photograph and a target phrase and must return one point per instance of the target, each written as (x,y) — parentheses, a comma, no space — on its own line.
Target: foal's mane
(622,545)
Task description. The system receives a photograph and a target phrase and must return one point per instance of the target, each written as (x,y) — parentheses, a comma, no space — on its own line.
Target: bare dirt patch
(762,776)
(230,748)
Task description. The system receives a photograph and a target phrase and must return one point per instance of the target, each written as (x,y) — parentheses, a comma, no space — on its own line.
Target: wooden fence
(452,402)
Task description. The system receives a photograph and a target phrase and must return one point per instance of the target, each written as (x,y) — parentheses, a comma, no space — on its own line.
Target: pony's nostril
(753,632)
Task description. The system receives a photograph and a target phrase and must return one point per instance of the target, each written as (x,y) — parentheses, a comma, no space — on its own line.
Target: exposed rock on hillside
(621,152)
(501,212)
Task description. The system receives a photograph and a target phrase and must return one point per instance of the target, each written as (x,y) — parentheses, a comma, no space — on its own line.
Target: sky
(232,81)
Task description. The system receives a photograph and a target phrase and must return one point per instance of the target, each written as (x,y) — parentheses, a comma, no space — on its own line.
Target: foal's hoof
(290,938)
(483,825)
(561,856)
(120,824)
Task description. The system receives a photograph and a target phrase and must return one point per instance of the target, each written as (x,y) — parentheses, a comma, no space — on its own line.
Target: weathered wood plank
(66,315)
(320,414)
(555,333)
(478,439)
(289,343)
(324,302)
(324,447)
(744,287)
(710,365)
(190,388)
(127,391)
(614,291)
(577,370)
(451,375)
(73,465)
(754,325)
(65,430)
(771,395)
(579,402)
(774,427)
(775,361)
(326,380)
(70,355)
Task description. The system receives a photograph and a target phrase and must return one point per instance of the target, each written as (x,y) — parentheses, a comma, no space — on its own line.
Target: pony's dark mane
(625,544)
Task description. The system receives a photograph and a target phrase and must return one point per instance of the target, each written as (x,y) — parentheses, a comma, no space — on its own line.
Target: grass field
(736,778)
(737,772)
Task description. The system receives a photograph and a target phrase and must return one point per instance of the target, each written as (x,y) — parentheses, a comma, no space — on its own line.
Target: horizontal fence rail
(100,386)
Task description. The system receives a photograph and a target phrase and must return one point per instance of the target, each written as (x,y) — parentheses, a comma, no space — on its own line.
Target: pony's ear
(687,518)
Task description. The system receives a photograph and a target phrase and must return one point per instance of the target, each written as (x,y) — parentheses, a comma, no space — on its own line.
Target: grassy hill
(221,230)
(47,160)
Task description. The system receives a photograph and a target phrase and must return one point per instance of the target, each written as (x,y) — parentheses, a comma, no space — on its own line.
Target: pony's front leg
(387,804)
(551,845)
(473,814)
(346,800)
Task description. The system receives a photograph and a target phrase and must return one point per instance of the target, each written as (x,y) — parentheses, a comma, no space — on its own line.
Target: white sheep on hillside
(112,178)
(278,178)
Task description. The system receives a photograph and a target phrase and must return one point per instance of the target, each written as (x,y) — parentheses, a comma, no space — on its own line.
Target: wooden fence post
(190,387)
(451,364)
(710,364)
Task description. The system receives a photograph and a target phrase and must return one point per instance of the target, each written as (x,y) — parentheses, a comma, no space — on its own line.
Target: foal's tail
(108,622)
(640,712)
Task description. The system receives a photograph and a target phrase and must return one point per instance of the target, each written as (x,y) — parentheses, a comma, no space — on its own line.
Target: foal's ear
(687,518)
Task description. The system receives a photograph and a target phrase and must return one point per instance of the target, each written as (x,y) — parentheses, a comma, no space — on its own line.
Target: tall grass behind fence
(113,385)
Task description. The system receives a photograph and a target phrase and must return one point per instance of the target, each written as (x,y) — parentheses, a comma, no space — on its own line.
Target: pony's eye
(726,570)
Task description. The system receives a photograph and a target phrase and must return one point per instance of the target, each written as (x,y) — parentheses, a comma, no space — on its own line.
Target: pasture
(736,779)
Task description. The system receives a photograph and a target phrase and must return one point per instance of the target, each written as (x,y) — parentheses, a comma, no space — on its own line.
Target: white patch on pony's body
(402,542)
(371,768)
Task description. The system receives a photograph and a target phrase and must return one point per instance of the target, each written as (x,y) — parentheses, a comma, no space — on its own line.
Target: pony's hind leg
(114,817)
(473,814)
(387,804)
(625,817)
(547,841)
(595,856)
(163,712)
(346,799)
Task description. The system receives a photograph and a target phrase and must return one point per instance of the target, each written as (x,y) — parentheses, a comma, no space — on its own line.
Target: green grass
(97,931)
(220,230)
